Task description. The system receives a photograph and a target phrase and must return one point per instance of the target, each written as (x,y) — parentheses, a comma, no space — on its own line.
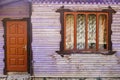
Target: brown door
(16,46)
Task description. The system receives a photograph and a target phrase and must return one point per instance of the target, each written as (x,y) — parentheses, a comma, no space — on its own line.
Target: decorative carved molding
(61,10)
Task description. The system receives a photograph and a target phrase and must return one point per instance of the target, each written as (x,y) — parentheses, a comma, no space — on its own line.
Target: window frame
(63,52)
(86,30)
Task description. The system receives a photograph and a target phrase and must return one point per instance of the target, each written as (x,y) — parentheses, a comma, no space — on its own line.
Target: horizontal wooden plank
(51,70)
(80,57)
(47,45)
(40,16)
(116,23)
(114,42)
(113,25)
(46,30)
(77,74)
(77,62)
(45,8)
(53,13)
(47,40)
(43,20)
(116,16)
(116,48)
(115,34)
(46,27)
(47,33)
(46,24)
(74,68)
(115,37)
(43,35)
(115,28)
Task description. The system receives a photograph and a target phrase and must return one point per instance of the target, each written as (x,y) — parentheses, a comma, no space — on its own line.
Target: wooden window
(86,31)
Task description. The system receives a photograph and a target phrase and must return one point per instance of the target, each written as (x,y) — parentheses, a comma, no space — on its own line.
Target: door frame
(29,41)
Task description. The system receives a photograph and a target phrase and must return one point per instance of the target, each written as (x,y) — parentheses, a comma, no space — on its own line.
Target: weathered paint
(46,40)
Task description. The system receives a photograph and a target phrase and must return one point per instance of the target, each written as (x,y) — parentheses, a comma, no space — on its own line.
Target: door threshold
(17,73)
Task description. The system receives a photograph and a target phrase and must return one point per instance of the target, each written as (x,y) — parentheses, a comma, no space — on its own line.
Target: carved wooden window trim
(108,12)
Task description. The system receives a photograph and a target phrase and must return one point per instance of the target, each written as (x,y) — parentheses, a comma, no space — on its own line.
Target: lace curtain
(102,32)
(81,31)
(69,31)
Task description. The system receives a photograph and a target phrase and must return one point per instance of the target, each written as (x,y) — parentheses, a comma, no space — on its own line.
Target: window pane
(81,31)
(102,32)
(69,31)
(92,31)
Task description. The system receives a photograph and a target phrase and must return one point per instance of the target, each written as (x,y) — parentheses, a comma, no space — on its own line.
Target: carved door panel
(16,46)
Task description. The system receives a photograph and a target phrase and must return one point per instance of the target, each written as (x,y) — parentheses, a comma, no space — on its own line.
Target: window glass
(102,32)
(81,31)
(91,31)
(86,31)
(69,37)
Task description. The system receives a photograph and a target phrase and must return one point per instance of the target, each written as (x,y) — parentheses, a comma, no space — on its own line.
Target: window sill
(62,53)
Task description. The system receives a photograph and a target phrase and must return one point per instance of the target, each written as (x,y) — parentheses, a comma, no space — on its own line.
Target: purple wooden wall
(46,38)
(14,10)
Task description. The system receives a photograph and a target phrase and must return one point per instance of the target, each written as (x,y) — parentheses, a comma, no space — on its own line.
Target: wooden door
(16,46)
